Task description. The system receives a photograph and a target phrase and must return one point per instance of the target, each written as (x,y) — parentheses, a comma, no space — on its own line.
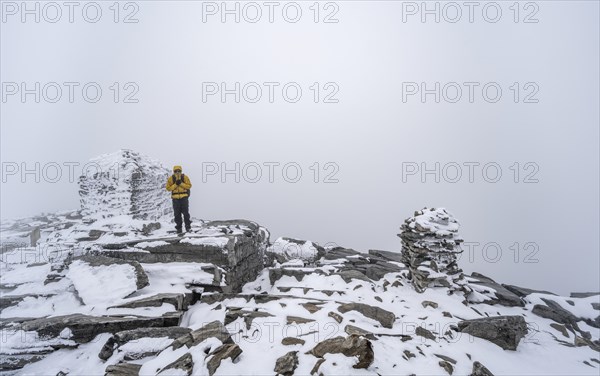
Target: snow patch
(153,244)
(102,284)
(220,242)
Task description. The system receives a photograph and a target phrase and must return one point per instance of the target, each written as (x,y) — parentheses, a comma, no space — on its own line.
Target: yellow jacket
(178,191)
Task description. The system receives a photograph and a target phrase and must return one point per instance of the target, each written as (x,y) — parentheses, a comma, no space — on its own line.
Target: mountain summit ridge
(113,290)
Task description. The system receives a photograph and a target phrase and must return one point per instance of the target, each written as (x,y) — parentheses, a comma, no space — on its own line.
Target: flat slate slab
(11,300)
(502,295)
(179,300)
(391,256)
(177,252)
(85,328)
(583,294)
(524,291)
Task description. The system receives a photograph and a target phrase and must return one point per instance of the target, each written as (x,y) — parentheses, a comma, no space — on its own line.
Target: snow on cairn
(430,244)
(124,183)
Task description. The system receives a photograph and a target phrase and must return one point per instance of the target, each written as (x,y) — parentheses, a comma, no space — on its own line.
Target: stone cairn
(125,183)
(430,245)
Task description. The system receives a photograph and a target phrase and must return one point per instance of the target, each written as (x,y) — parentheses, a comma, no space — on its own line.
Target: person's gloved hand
(178,182)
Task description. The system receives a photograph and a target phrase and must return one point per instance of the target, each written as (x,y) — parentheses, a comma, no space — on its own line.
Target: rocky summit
(110,289)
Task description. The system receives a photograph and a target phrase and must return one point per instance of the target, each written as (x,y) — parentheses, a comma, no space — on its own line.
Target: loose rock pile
(430,244)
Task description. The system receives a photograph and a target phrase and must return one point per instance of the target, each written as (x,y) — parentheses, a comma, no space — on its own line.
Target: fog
(508,142)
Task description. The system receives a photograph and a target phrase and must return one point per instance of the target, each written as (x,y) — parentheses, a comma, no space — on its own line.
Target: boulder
(555,312)
(422,332)
(352,329)
(385,318)
(497,293)
(91,236)
(315,368)
(480,370)
(446,358)
(504,331)
(148,228)
(353,345)
(561,328)
(9,362)
(276,273)
(120,338)
(290,341)
(185,365)
(12,300)
(85,328)
(408,354)
(214,329)
(337,317)
(312,307)
(248,316)
(228,350)
(349,275)
(447,366)
(122,369)
(380,269)
(287,364)
(297,320)
(391,256)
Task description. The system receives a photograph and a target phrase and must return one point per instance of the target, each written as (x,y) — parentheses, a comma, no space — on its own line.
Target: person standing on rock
(179,185)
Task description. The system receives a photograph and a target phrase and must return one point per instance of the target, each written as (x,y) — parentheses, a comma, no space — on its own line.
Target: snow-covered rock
(99,279)
(430,245)
(125,182)
(504,331)
(286,249)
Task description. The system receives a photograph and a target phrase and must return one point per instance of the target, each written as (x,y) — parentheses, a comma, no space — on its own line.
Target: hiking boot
(188,229)
(178,229)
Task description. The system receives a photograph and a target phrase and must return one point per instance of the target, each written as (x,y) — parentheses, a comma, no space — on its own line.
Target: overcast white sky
(371,135)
